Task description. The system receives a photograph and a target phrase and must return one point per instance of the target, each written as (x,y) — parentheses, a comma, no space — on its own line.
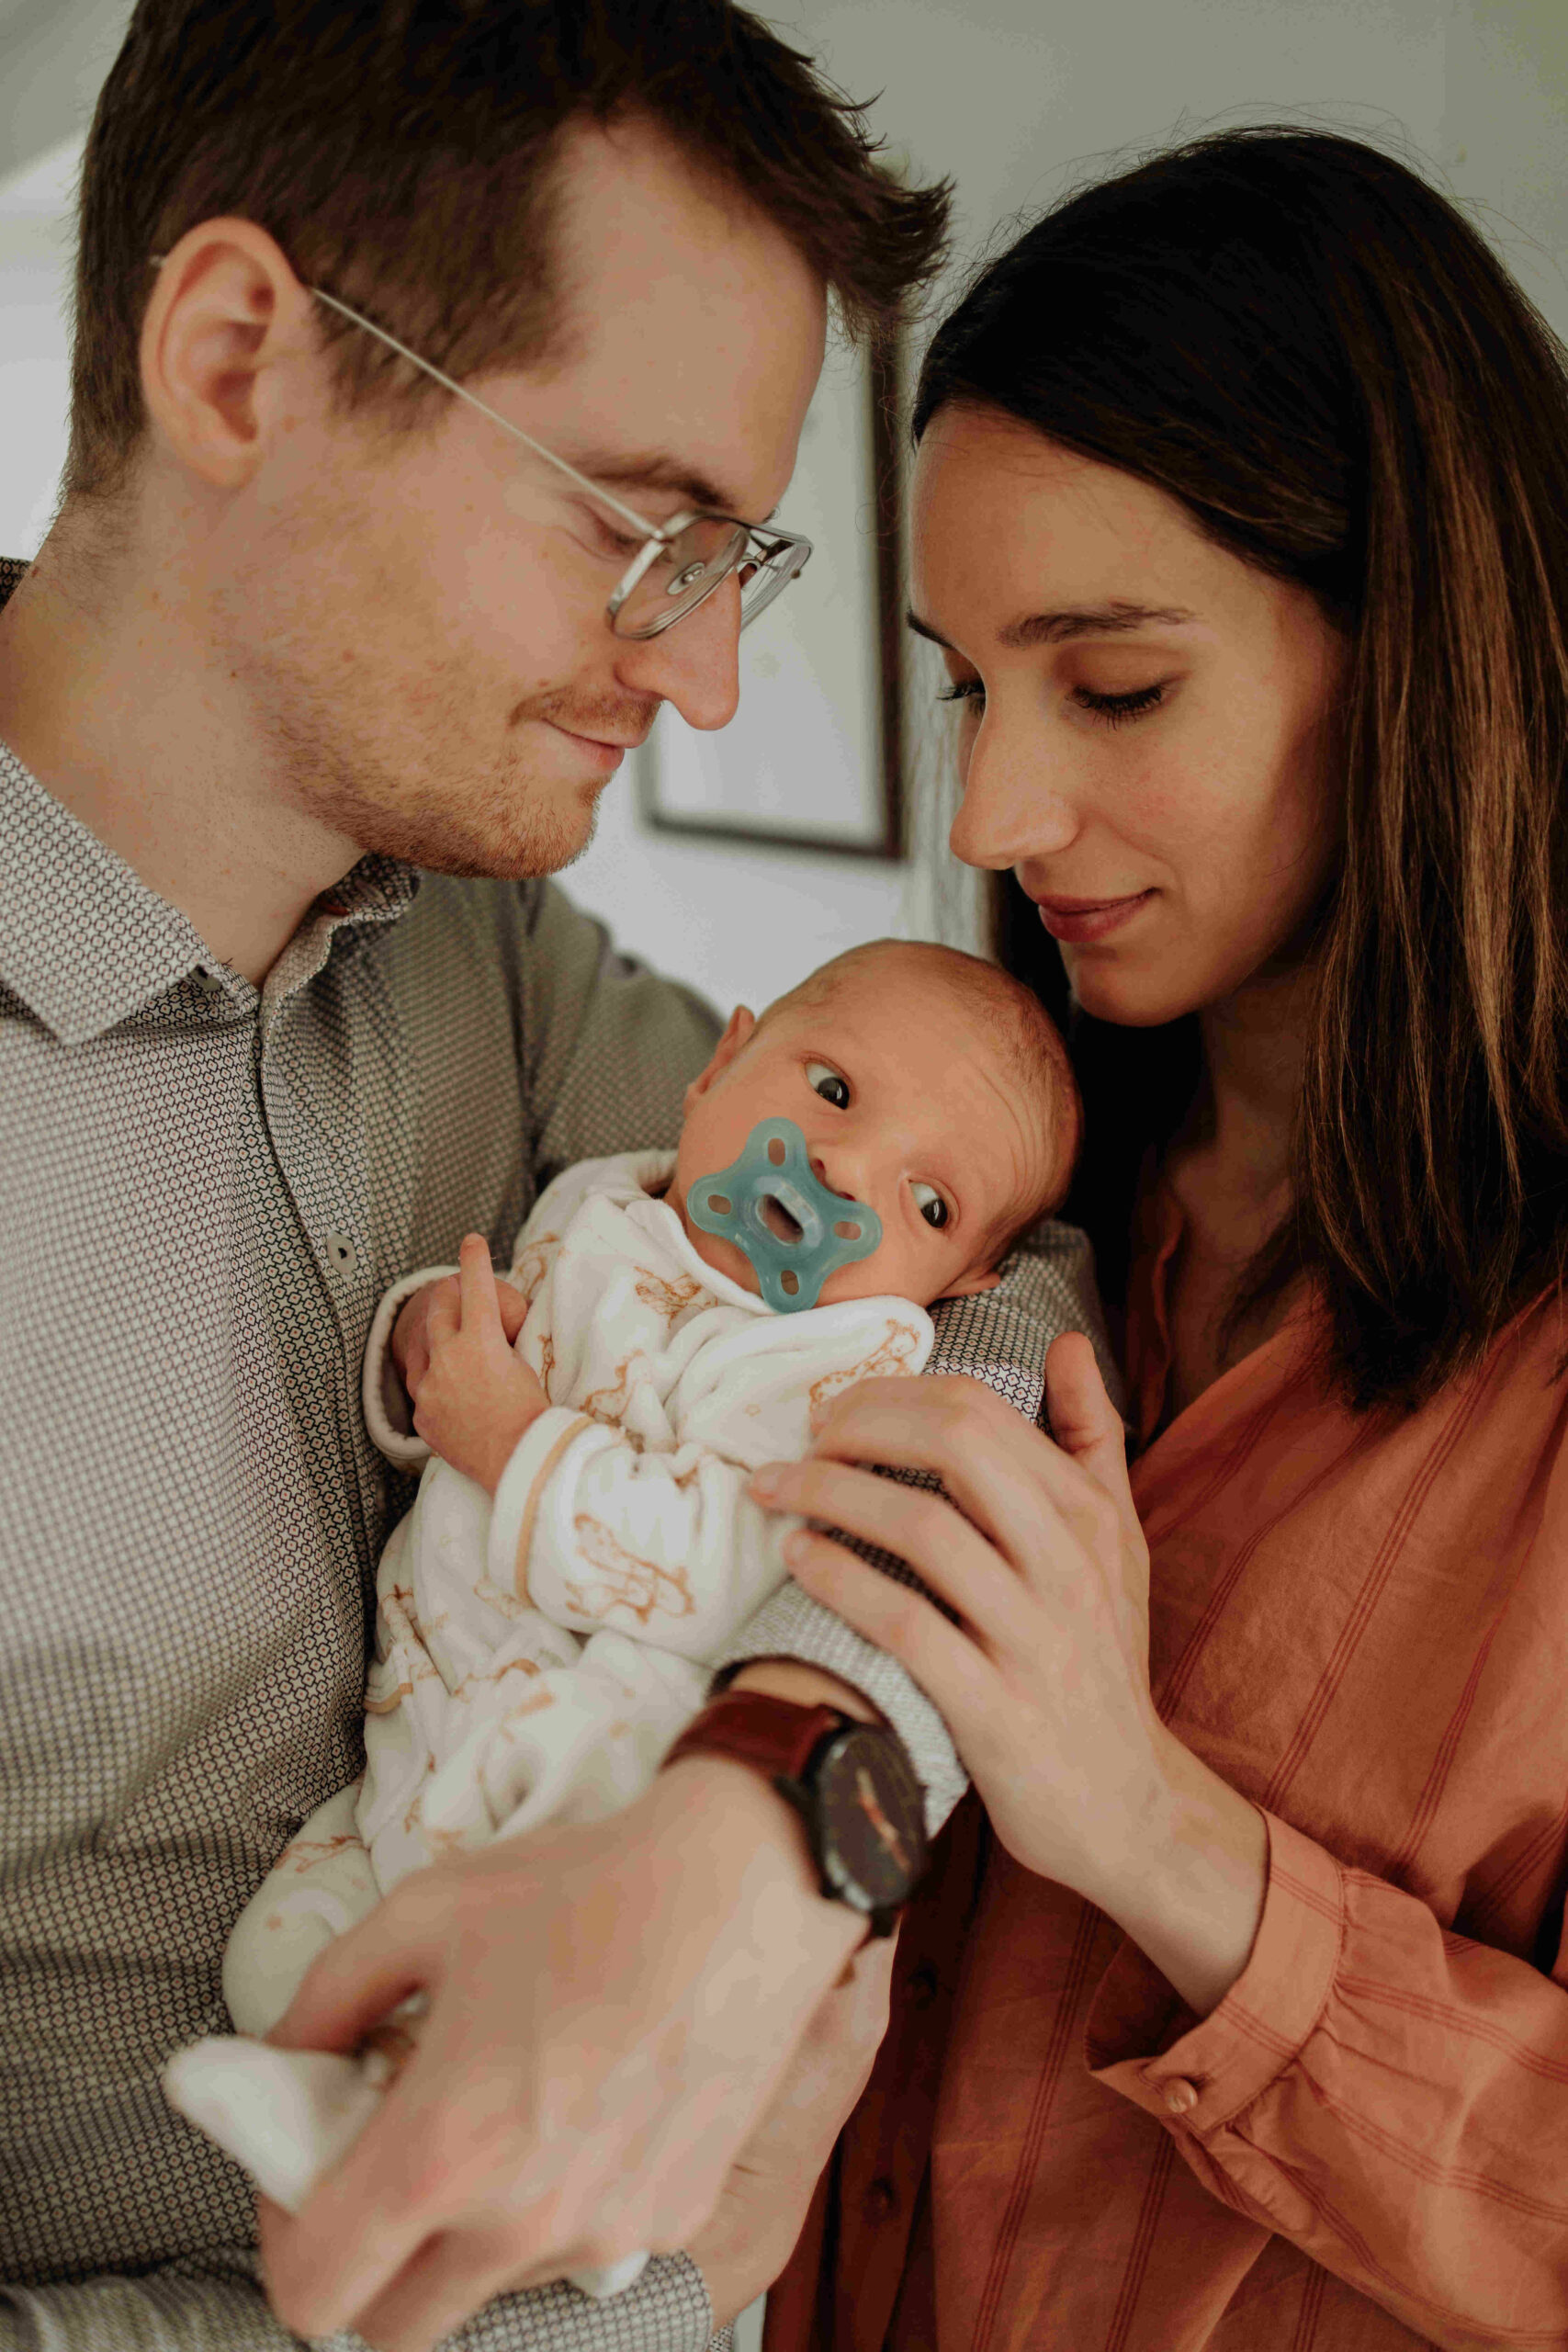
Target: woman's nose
(1012,809)
(694,663)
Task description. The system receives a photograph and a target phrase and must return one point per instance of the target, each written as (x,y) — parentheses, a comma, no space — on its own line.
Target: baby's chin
(724,1257)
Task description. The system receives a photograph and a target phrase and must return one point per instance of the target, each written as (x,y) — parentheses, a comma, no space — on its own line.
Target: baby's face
(905,1104)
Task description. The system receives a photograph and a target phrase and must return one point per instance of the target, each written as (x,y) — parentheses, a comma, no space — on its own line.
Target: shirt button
(880,2202)
(208,983)
(342,1256)
(1180,2095)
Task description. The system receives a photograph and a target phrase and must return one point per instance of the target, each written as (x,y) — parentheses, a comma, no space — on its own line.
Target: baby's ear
(967,1286)
(742,1021)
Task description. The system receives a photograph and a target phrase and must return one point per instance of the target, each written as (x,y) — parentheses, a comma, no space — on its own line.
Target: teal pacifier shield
(772,1204)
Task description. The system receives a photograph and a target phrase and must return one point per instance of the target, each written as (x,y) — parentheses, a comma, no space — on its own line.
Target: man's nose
(694,663)
(1017,804)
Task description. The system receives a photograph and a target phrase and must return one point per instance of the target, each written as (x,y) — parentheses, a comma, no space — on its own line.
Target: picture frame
(814,758)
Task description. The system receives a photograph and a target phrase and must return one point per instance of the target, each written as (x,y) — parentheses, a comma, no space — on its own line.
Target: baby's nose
(836,1181)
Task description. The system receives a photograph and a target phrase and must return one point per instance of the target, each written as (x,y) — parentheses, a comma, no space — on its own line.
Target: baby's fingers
(476,1278)
(513,1309)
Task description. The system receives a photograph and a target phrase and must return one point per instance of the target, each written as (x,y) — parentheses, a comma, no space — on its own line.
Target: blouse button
(922,1987)
(1180,2095)
(880,2200)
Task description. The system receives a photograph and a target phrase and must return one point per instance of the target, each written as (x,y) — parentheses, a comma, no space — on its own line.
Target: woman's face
(1147,724)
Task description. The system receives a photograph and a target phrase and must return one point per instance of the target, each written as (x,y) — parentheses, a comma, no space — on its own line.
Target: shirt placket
(305,1095)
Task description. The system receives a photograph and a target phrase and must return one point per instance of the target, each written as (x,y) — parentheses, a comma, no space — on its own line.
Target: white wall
(1015,102)
(35,268)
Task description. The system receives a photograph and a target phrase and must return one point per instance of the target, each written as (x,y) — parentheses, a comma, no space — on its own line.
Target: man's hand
(476,1398)
(762,2205)
(613,2007)
(410,1340)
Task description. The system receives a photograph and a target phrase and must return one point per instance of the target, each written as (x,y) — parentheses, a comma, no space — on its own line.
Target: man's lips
(610,748)
(1080,920)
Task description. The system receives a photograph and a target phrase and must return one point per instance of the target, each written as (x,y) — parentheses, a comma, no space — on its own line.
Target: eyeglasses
(679,564)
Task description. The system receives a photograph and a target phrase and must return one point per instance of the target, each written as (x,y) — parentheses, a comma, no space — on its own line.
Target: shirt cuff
(792,1626)
(386,1416)
(1143,2041)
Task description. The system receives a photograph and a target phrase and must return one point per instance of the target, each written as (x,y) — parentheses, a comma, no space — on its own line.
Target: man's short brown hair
(400,154)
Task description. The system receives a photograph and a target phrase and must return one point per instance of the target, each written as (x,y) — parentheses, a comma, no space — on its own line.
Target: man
(311,640)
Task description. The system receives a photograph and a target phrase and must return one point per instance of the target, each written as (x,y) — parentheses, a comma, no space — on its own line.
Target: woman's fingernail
(796,1547)
(767,1482)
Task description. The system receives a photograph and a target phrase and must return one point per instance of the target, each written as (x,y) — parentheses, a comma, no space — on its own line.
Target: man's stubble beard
(449,817)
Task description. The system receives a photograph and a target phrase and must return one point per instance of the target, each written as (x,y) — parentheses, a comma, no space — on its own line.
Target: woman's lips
(1080,920)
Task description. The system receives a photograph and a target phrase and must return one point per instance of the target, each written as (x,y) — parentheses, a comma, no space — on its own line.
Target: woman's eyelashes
(1113,710)
(1116,709)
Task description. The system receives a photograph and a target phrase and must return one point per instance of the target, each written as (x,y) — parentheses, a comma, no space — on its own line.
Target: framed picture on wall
(813,757)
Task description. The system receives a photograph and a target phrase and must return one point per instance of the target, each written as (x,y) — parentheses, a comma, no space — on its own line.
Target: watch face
(871,1819)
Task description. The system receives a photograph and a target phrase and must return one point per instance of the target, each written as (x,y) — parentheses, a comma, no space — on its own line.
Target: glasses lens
(695,563)
(761,578)
(680,575)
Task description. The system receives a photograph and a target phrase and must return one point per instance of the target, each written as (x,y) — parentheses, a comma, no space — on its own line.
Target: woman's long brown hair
(1308,347)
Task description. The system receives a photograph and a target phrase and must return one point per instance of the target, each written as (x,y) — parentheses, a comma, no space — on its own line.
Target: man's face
(417,618)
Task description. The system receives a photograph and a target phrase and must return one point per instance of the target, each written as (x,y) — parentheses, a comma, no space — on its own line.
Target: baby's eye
(931,1205)
(829,1084)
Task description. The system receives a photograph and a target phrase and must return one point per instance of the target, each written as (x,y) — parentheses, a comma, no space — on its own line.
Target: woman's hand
(476,1399)
(762,2205)
(1045,1681)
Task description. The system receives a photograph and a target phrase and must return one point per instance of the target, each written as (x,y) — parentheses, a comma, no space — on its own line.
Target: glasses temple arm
(629,515)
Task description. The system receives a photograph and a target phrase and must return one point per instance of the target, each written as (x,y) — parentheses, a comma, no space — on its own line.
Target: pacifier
(773,1205)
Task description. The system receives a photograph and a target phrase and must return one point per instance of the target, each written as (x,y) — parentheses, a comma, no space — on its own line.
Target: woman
(1241,517)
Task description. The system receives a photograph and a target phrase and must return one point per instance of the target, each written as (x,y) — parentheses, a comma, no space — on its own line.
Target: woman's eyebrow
(1084,620)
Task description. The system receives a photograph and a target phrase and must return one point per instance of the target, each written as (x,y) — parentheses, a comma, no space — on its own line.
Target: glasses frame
(783,555)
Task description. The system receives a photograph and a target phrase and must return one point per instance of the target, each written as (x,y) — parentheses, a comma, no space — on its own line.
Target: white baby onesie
(536,1658)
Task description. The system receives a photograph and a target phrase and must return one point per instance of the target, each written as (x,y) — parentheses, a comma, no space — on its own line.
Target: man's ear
(967,1286)
(742,1021)
(225,305)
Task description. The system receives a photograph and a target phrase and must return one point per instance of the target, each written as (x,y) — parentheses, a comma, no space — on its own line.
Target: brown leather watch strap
(778,1736)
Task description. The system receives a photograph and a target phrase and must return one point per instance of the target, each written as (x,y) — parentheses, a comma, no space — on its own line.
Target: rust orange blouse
(1362,1623)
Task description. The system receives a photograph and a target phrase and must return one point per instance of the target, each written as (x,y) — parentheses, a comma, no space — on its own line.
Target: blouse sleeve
(1392,2098)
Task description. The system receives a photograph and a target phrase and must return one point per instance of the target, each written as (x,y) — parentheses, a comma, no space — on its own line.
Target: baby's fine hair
(1015,1023)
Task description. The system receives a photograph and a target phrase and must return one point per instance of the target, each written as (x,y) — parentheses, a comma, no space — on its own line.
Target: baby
(583,1546)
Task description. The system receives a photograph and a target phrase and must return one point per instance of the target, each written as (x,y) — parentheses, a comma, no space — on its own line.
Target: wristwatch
(852,1783)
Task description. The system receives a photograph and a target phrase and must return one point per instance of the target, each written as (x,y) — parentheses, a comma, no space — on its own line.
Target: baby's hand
(477,1398)
(410,1333)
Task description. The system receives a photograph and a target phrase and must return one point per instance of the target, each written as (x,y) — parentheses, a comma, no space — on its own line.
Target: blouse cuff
(384,1399)
(1199,2074)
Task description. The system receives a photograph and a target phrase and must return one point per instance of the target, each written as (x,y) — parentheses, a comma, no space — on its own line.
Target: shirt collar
(84,943)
